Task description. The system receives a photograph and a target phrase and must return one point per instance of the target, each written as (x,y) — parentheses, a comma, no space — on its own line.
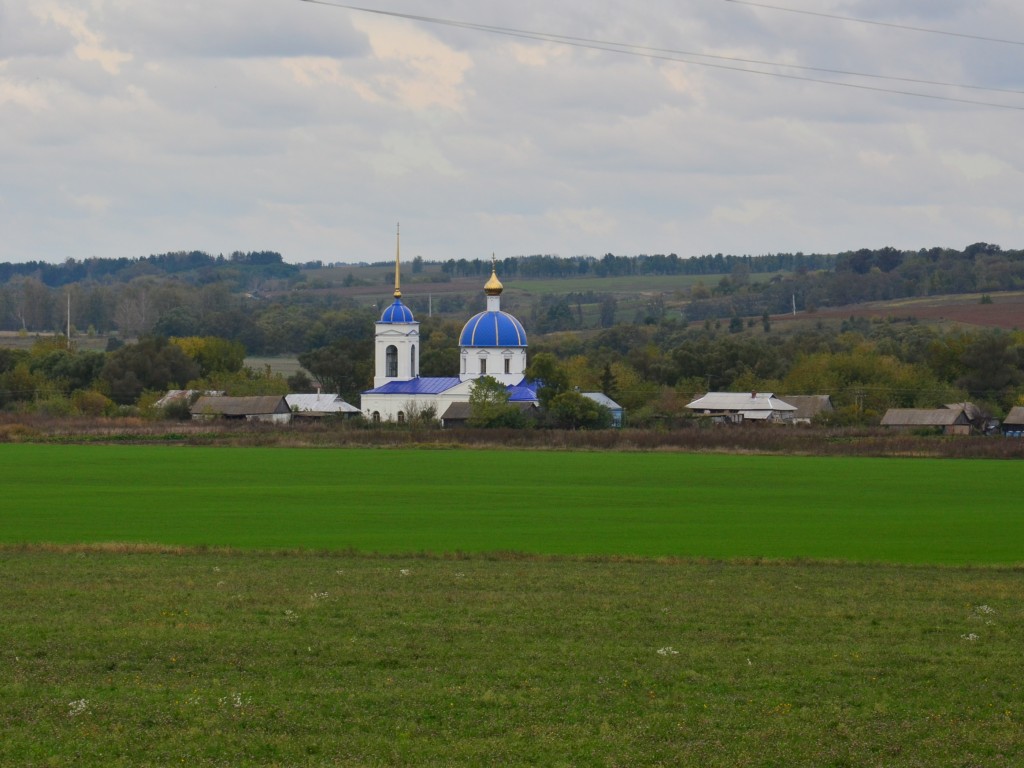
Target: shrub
(92,403)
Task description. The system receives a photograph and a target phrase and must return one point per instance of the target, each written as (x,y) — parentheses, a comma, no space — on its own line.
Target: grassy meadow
(287,607)
(221,658)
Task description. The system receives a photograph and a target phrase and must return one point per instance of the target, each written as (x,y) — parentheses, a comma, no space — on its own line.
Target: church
(492,343)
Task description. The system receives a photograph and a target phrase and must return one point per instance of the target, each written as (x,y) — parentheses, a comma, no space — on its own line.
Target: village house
(318,405)
(265,408)
(602,399)
(738,407)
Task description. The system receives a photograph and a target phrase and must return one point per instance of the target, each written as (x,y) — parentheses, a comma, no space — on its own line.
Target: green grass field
(636,626)
(231,659)
(541,502)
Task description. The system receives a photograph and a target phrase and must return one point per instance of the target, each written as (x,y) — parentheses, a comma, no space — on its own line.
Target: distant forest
(275,307)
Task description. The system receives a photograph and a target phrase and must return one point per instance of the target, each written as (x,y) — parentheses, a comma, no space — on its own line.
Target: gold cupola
(493,287)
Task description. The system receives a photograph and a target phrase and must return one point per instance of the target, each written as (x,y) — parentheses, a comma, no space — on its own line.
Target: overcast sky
(131,127)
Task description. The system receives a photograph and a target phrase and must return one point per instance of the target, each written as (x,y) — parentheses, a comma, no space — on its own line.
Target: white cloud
(89,45)
(311,130)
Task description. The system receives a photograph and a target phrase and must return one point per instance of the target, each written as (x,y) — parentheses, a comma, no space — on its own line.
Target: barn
(951,421)
(268,408)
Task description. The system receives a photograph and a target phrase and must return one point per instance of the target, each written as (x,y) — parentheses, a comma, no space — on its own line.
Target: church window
(391,362)
(412,361)
(483,365)
(401,417)
(376,417)
(508,365)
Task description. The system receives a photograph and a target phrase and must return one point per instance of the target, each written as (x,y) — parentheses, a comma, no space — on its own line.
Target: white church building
(492,343)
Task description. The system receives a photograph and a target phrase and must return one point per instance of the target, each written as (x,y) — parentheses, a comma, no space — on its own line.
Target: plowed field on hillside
(1006,310)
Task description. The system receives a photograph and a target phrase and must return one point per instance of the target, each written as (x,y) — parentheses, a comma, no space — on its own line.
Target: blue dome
(493,329)
(397,313)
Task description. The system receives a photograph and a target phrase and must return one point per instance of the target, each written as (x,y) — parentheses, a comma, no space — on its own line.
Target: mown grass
(230,658)
(541,502)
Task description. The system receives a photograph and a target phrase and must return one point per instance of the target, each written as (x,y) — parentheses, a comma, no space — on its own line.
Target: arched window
(376,417)
(401,417)
(412,360)
(391,362)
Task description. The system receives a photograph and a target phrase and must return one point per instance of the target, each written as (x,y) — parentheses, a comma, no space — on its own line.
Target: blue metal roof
(493,329)
(421,385)
(397,313)
(524,392)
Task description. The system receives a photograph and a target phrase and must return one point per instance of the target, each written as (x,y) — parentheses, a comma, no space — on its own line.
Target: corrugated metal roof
(922,417)
(602,399)
(421,385)
(319,403)
(740,401)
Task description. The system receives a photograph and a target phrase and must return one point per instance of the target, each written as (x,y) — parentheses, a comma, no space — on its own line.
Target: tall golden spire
(398,244)
(493,287)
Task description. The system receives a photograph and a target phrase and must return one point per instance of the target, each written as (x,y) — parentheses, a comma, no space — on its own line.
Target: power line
(676,56)
(891,25)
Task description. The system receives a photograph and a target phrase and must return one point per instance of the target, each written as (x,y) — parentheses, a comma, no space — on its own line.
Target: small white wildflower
(78,707)
(668,650)
(985,609)
(971,636)
(236,700)
(319,595)
(460,575)
(290,615)
(405,572)
(216,569)
(340,572)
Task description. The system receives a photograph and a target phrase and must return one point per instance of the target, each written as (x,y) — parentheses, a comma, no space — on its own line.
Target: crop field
(536,502)
(287,607)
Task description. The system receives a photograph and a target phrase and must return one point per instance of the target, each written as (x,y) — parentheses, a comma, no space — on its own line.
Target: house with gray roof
(268,408)
(951,421)
(737,407)
(319,404)
(602,399)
